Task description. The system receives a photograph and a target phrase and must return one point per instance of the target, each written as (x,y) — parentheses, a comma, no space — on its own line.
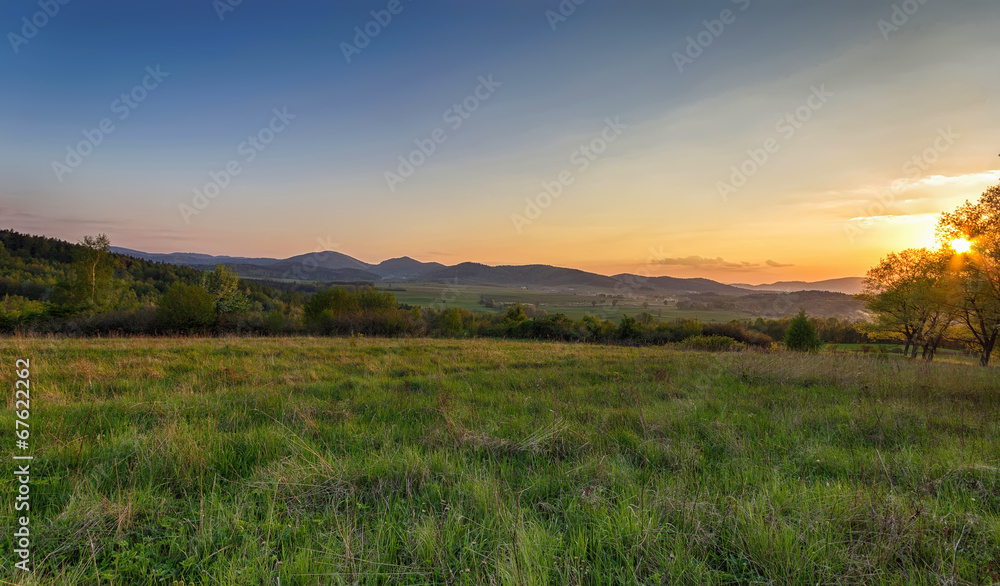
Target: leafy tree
(909,294)
(628,328)
(514,315)
(94,270)
(223,285)
(449,322)
(979,295)
(186,308)
(976,309)
(801,335)
(594,328)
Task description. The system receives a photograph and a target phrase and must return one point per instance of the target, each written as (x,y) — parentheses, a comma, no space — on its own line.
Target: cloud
(700,262)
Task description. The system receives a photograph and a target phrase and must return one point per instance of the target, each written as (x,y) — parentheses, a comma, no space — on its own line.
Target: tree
(94,268)
(223,285)
(801,335)
(977,309)
(515,315)
(979,301)
(186,308)
(908,293)
(449,322)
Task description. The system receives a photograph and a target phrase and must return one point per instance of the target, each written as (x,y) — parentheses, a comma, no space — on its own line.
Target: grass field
(361,461)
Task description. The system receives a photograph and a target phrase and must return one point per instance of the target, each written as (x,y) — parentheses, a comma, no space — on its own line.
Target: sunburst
(961,245)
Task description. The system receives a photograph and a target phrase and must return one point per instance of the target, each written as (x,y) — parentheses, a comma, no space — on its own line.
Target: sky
(739,140)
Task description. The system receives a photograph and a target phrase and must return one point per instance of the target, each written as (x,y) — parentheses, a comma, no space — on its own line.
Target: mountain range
(335,267)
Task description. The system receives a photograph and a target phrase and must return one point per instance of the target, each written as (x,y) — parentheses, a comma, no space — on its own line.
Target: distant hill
(328,259)
(404,268)
(192,258)
(286,271)
(335,267)
(521,276)
(847,285)
(677,285)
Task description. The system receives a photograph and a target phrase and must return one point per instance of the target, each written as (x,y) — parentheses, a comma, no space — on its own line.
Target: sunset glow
(496,133)
(961,245)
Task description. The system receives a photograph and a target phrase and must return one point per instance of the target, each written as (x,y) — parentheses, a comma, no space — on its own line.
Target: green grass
(340,461)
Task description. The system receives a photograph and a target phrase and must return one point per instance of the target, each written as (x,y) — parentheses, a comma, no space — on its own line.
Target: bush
(186,308)
(738,333)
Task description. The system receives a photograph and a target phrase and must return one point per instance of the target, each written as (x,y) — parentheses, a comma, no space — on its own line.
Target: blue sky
(834,196)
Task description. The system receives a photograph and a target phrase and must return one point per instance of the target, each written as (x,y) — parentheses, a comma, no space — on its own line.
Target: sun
(961,245)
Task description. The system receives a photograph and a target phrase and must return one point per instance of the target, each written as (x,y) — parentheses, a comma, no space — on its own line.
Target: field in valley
(575,305)
(416,461)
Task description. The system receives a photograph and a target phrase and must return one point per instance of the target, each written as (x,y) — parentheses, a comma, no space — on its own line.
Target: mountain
(335,267)
(847,285)
(678,285)
(328,259)
(326,266)
(404,268)
(287,271)
(192,258)
(528,275)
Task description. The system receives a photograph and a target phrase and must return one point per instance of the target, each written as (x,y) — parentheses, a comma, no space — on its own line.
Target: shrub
(712,344)
(738,333)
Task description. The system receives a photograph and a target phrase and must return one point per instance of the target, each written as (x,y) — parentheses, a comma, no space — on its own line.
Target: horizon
(373,263)
(745,141)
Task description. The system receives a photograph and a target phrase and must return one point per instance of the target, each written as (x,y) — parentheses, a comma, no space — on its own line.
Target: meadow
(418,461)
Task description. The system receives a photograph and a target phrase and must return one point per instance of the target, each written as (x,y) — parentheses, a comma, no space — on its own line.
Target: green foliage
(366,311)
(223,285)
(712,344)
(186,308)
(18,312)
(801,335)
(449,323)
(94,271)
(514,315)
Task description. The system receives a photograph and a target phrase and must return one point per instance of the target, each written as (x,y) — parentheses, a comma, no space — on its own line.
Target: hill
(332,266)
(846,285)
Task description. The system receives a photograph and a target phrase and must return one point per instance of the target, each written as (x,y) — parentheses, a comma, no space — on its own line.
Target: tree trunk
(984,358)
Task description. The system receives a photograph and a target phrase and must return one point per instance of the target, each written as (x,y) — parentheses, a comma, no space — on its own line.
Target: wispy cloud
(719,263)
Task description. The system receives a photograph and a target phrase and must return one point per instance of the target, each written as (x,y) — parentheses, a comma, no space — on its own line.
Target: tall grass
(358,461)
